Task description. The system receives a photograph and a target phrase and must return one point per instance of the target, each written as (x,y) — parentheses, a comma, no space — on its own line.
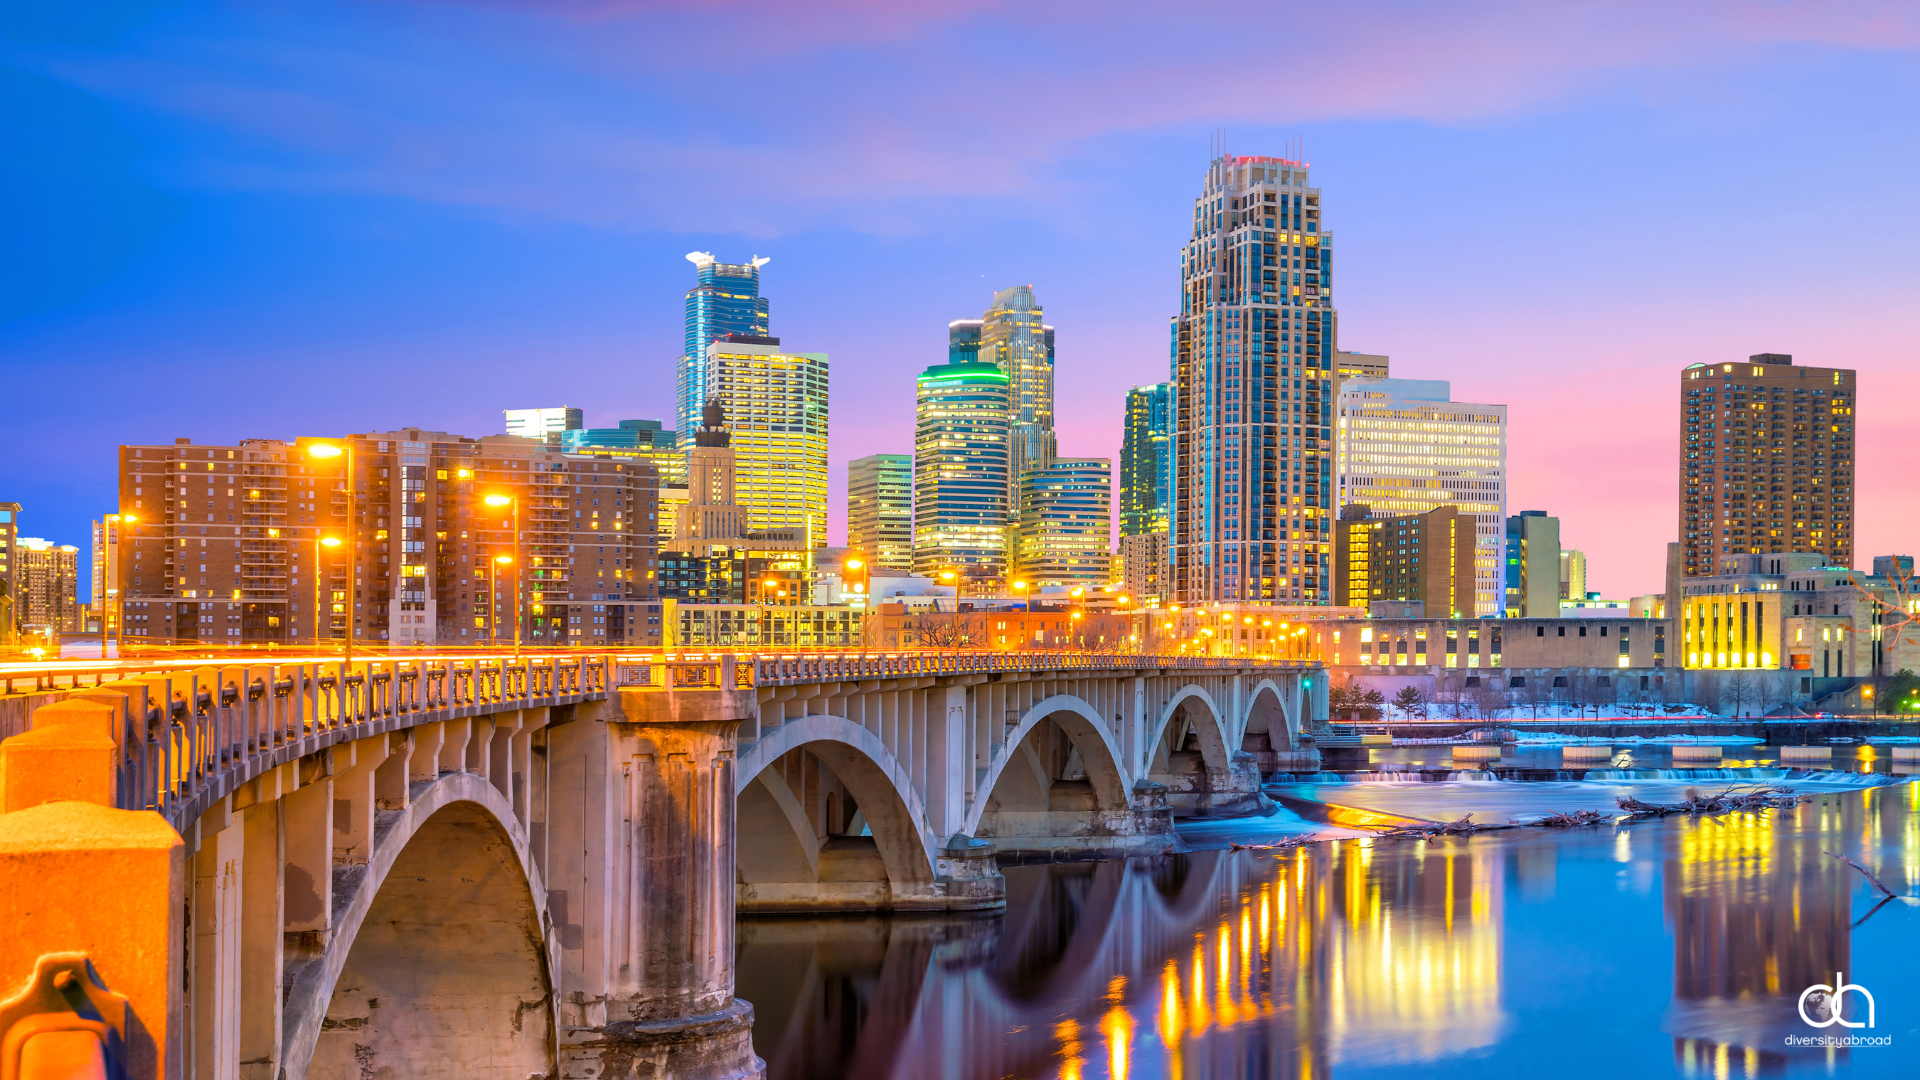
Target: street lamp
(318,543)
(120,618)
(327,451)
(493,597)
(497,501)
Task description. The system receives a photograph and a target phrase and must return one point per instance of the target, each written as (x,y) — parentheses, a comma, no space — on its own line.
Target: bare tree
(1534,694)
(1896,610)
(1738,691)
(1774,692)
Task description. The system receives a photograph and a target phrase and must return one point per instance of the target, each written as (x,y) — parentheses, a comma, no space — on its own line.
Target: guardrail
(196,730)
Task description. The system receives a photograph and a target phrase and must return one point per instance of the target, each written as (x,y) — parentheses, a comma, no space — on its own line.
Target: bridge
(512,867)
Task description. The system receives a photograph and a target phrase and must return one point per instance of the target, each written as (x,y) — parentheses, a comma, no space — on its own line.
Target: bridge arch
(1210,730)
(441,960)
(781,861)
(1266,705)
(1092,738)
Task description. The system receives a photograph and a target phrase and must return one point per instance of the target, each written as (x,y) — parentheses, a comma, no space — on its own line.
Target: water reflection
(1349,956)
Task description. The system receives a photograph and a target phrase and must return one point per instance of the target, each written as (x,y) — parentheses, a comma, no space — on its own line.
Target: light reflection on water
(1674,947)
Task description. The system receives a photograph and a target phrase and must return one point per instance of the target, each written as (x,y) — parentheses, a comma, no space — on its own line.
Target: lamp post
(513,501)
(493,598)
(327,451)
(953,621)
(120,617)
(318,543)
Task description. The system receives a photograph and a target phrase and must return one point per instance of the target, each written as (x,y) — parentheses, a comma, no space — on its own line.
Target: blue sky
(225,221)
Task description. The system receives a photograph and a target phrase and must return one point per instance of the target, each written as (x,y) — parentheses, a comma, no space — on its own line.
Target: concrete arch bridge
(503,867)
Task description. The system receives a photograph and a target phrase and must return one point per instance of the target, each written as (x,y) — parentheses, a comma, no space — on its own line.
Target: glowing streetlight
(496,501)
(326,452)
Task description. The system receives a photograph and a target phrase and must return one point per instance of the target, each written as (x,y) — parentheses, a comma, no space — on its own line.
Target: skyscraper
(636,439)
(1414,558)
(1146,490)
(49,586)
(776,405)
(963,341)
(1766,463)
(10,608)
(1014,335)
(725,299)
(1064,535)
(1405,448)
(960,471)
(1252,371)
(880,511)
(105,579)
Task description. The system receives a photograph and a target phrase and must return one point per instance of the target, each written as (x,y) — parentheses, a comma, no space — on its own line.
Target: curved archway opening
(447,975)
(1270,731)
(1056,787)
(823,828)
(1202,775)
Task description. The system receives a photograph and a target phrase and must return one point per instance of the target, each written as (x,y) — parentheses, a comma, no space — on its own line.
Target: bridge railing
(187,726)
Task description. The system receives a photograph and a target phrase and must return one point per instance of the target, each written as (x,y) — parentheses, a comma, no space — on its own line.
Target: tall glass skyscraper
(725,299)
(1253,386)
(960,472)
(1146,461)
(1015,336)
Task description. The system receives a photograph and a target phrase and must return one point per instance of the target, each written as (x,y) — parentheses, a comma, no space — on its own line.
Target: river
(1671,947)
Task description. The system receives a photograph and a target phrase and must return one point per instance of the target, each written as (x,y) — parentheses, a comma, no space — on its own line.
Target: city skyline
(265,289)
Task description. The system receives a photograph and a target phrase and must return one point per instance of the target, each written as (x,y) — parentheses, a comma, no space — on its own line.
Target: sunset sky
(270,220)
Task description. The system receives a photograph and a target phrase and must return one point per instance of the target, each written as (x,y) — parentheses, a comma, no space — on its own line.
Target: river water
(1675,947)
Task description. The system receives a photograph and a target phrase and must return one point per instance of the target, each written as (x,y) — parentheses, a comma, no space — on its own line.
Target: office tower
(880,512)
(1573,576)
(1253,375)
(49,578)
(716,557)
(1413,558)
(1146,460)
(1359,365)
(1405,448)
(105,580)
(547,425)
(1766,462)
(776,404)
(1014,335)
(1532,570)
(1064,534)
(10,609)
(963,341)
(639,440)
(725,299)
(226,542)
(960,472)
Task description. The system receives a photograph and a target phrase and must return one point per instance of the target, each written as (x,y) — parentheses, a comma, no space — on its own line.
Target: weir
(505,867)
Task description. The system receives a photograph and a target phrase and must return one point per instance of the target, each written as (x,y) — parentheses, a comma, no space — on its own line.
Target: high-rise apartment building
(1766,463)
(1573,576)
(49,578)
(1253,382)
(1014,335)
(960,471)
(725,299)
(547,425)
(11,610)
(1064,535)
(776,405)
(104,605)
(226,543)
(880,511)
(1532,566)
(1406,448)
(647,440)
(1424,559)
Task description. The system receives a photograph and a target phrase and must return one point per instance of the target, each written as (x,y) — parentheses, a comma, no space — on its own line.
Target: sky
(274,219)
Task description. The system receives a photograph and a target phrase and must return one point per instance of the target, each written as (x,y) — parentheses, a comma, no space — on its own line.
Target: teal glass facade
(725,299)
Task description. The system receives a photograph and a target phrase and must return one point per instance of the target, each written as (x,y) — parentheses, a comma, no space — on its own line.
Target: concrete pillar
(309,853)
(353,798)
(217,925)
(670,1009)
(262,918)
(949,760)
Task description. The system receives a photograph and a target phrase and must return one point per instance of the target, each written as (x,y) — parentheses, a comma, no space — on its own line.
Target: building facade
(646,440)
(11,610)
(880,512)
(1406,448)
(547,425)
(725,299)
(1065,531)
(104,606)
(1015,337)
(1253,375)
(228,543)
(1390,563)
(960,471)
(776,407)
(49,578)
(1766,462)
(1573,576)
(1146,460)
(1532,566)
